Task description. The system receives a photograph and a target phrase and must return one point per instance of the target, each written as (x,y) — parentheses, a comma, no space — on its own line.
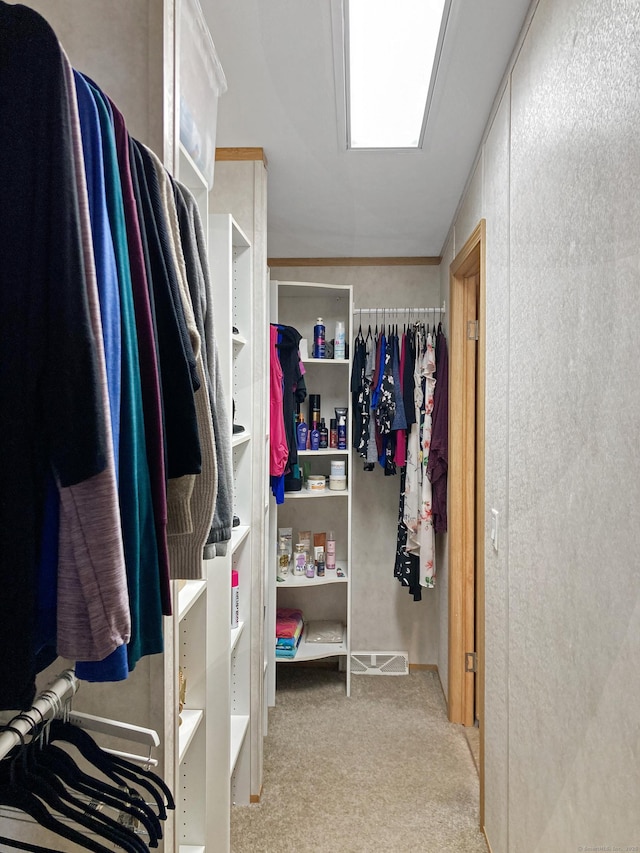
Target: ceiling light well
(391,51)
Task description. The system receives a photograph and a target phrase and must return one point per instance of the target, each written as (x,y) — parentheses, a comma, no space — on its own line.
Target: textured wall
(561,196)
(384,616)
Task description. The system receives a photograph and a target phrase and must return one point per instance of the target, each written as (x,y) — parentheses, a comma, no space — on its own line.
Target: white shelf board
(290,580)
(307,493)
(188,595)
(239,726)
(325,360)
(188,727)
(192,848)
(238,340)
(238,535)
(235,636)
(241,438)
(324,451)
(315,651)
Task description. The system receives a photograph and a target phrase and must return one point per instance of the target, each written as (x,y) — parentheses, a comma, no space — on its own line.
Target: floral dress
(426,537)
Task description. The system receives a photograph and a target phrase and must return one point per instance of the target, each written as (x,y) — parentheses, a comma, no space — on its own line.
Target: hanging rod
(403,310)
(51,703)
(47,705)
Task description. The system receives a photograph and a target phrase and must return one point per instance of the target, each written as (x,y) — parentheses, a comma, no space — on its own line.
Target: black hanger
(27,802)
(54,760)
(53,793)
(114,767)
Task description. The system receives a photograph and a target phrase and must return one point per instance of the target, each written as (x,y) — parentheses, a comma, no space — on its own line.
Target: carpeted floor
(381,771)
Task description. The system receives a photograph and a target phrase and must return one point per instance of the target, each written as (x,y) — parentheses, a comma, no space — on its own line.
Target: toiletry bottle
(314,409)
(330,553)
(338,346)
(342,432)
(324,435)
(333,433)
(235,599)
(318,339)
(301,434)
(315,438)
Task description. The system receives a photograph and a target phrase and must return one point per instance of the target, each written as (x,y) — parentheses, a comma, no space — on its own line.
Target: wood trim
(241,154)
(417,261)
(466,484)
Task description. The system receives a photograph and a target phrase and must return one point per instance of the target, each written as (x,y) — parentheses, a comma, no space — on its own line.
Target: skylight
(391,47)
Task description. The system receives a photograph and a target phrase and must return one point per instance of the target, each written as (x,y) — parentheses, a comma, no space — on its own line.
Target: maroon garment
(438,462)
(149,375)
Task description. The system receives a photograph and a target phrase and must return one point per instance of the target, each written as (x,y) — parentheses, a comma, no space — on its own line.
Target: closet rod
(48,704)
(403,310)
(51,703)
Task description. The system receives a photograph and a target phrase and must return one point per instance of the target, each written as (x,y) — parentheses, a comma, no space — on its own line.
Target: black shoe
(236,521)
(236,427)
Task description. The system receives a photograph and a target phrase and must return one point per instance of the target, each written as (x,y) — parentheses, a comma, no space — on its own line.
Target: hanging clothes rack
(387,313)
(55,701)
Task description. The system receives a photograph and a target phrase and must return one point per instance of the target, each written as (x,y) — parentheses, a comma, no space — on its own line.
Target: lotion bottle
(330,553)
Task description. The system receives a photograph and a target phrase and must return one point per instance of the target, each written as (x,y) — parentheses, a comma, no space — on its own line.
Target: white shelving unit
(231,267)
(298,304)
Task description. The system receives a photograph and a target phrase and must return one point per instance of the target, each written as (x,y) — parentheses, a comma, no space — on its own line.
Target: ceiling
(325,201)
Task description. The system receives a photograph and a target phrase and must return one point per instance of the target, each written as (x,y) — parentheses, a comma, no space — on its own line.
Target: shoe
(235,522)
(236,427)
(235,330)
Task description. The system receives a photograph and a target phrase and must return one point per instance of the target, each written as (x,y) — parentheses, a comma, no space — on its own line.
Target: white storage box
(202,81)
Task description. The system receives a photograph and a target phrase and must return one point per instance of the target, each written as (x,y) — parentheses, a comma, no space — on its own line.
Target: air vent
(379,663)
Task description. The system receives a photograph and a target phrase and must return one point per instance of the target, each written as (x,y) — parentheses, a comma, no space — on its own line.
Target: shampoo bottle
(301,434)
(315,438)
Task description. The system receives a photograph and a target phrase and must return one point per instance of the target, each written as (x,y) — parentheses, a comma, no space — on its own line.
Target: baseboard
(255,798)
(430,667)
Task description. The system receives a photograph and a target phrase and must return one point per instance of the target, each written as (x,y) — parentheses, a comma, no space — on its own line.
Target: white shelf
(238,340)
(238,535)
(328,597)
(307,493)
(192,848)
(189,726)
(239,726)
(324,451)
(241,438)
(188,595)
(315,651)
(236,633)
(300,581)
(325,361)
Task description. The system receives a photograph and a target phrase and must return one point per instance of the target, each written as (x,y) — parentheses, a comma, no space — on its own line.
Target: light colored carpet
(381,771)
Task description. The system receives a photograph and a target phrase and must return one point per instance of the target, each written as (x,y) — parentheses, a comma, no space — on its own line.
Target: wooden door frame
(466,487)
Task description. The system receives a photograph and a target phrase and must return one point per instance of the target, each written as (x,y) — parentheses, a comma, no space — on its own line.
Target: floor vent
(379,663)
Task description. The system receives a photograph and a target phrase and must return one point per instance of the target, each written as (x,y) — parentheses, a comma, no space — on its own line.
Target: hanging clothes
(438,463)
(110,392)
(425,534)
(51,407)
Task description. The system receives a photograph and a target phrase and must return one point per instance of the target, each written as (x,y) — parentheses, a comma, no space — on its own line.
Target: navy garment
(115,666)
(50,401)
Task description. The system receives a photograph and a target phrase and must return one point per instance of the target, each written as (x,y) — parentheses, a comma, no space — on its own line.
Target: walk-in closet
(318,417)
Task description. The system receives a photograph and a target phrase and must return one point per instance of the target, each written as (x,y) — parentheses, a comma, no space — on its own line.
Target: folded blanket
(288,622)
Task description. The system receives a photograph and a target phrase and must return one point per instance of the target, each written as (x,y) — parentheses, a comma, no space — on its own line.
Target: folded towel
(288,622)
